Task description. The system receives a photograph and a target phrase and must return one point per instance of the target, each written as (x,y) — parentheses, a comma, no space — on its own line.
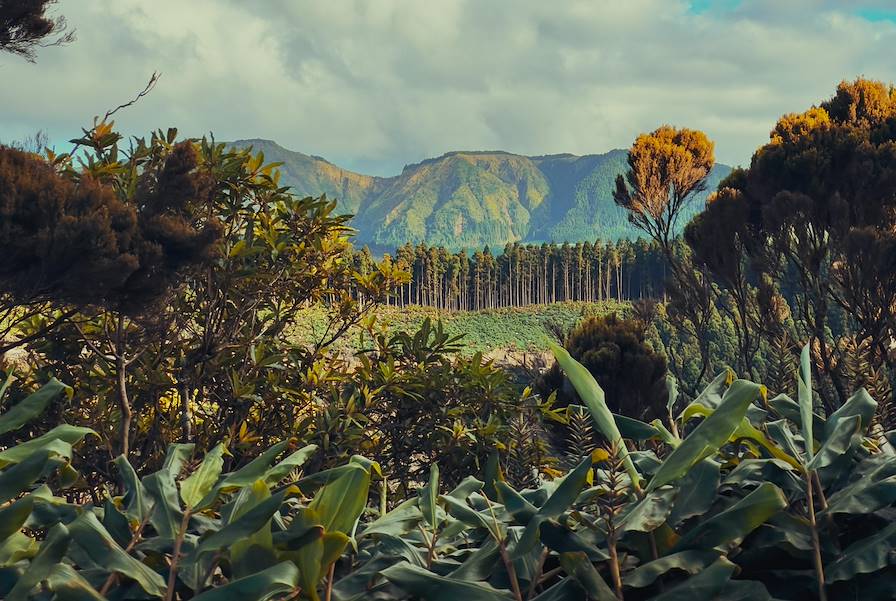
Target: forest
(715,419)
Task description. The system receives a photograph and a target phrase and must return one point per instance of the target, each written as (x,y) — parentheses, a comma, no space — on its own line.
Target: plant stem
(816,544)
(178,542)
(329,590)
(511,571)
(614,566)
(538,572)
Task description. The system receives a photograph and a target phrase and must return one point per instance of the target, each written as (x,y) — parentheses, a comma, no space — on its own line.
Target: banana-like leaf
(31,406)
(256,551)
(198,484)
(648,513)
(480,564)
(59,440)
(240,528)
(261,586)
(52,550)
(705,586)
(341,500)
(469,516)
(841,439)
(432,587)
(21,476)
(17,547)
(870,492)
(860,404)
(593,396)
(561,500)
(582,570)
(863,557)
(14,516)
(517,505)
(98,544)
(68,585)
(635,429)
(697,491)
(692,562)
(429,495)
(134,500)
(804,393)
(401,520)
(567,589)
(733,524)
(709,435)
(288,465)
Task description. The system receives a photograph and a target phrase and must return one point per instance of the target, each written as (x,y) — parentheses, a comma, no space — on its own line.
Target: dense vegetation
(183,418)
(468,200)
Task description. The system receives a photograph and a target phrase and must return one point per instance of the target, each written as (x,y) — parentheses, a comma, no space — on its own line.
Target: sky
(373,85)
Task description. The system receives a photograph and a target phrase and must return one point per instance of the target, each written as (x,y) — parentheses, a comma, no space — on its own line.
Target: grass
(508,329)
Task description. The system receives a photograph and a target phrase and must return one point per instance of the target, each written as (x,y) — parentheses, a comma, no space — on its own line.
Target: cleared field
(508,329)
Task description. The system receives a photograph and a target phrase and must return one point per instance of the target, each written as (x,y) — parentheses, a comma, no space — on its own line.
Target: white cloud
(374,85)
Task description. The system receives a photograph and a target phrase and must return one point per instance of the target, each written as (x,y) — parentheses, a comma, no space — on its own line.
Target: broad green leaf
(341,500)
(867,494)
(672,389)
(649,513)
(402,519)
(254,519)
(134,500)
(431,587)
(281,578)
(838,442)
(288,465)
(635,429)
(709,435)
(469,516)
(480,564)
(198,484)
(256,551)
(17,547)
(52,550)
(860,404)
(692,562)
(254,470)
(732,525)
(593,396)
(705,586)
(429,495)
(579,567)
(521,509)
(804,393)
(59,440)
(68,585)
(14,516)
(31,406)
(561,500)
(863,557)
(98,544)
(21,476)
(697,491)
(568,589)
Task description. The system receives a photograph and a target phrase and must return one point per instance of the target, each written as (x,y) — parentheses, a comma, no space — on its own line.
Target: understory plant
(737,496)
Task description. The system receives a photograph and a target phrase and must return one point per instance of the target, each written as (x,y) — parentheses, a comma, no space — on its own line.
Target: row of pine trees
(525,274)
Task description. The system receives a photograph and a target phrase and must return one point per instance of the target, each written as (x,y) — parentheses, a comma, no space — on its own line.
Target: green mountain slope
(472,199)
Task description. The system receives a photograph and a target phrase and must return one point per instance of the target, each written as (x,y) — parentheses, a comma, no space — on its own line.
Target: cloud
(375,85)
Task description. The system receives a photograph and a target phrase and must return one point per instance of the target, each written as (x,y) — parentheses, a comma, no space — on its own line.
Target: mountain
(477,198)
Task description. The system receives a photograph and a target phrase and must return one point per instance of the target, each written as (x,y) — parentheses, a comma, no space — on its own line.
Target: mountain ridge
(474,198)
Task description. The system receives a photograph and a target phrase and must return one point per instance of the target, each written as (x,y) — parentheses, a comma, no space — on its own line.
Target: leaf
(59,440)
(593,396)
(256,551)
(561,500)
(431,587)
(263,585)
(567,589)
(429,496)
(288,465)
(709,435)
(341,501)
(860,404)
(581,569)
(134,499)
(863,557)
(649,513)
(733,524)
(52,550)
(469,516)
(68,585)
(31,406)
(705,586)
(198,484)
(242,527)
(521,509)
(870,492)
(20,477)
(14,516)
(692,562)
(480,564)
(840,441)
(102,549)
(804,394)
(697,491)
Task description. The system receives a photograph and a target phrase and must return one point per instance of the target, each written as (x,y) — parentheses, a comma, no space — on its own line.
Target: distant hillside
(472,199)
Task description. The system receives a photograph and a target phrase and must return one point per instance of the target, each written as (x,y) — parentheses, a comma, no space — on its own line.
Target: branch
(153,80)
